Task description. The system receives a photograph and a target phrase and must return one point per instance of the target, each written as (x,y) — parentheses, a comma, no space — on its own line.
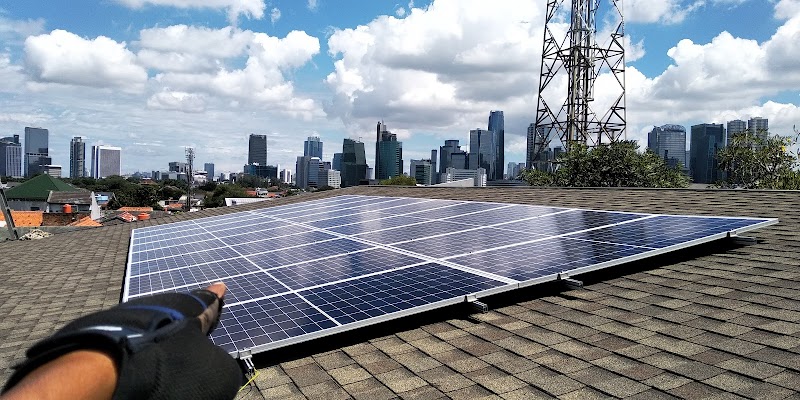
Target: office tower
(536,157)
(758,127)
(329,177)
(36,150)
(354,163)
(422,171)
(434,171)
(10,157)
(308,171)
(179,167)
(286,175)
(735,127)
(482,151)
(209,168)
(337,161)
(497,127)
(707,139)
(388,154)
(669,142)
(451,155)
(261,171)
(106,161)
(257,149)
(77,158)
(312,147)
(52,170)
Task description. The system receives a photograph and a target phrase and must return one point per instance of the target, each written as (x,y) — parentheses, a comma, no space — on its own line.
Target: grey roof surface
(77,197)
(718,321)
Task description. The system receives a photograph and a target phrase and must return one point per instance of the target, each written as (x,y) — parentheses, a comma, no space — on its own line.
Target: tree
(759,161)
(221,192)
(400,180)
(618,164)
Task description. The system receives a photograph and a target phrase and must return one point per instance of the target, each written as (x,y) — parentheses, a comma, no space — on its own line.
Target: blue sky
(153,76)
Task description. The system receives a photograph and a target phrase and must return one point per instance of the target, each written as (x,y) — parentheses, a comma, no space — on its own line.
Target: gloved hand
(159,344)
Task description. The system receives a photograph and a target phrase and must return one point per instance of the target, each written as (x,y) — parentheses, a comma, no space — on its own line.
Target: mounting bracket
(572,284)
(246,357)
(478,305)
(742,240)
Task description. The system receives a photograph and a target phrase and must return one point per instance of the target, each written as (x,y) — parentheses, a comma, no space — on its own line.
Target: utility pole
(12,231)
(579,58)
(189,176)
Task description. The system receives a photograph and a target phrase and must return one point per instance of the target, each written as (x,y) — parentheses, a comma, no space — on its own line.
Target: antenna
(189,176)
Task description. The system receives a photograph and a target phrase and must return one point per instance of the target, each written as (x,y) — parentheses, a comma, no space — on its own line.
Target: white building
(478,176)
(106,161)
(330,177)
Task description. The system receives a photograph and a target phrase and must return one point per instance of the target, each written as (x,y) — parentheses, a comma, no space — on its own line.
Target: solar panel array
(305,270)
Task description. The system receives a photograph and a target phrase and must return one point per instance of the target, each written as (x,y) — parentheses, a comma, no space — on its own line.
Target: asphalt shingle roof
(717,321)
(70,197)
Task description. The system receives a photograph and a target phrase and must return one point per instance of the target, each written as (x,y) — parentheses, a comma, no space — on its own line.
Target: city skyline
(179,83)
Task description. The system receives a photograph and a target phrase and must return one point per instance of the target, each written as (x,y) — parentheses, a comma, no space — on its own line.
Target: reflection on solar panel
(300,271)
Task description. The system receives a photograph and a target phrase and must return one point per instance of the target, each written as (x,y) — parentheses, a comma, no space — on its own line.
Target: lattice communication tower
(577,56)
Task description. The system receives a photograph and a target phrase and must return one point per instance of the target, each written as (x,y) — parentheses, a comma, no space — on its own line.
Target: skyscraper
(312,147)
(209,168)
(669,142)
(106,161)
(422,171)
(434,171)
(451,155)
(36,150)
(77,158)
(735,127)
(257,149)
(707,139)
(497,127)
(482,150)
(354,163)
(337,161)
(758,127)
(10,157)
(388,154)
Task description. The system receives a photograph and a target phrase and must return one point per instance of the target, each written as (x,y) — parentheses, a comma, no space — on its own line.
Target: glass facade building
(497,127)
(11,157)
(37,150)
(77,158)
(388,154)
(257,150)
(354,163)
(707,139)
(482,150)
(669,142)
(312,147)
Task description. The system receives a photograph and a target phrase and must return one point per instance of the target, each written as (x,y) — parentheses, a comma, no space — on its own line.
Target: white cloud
(182,48)
(249,8)
(11,76)
(312,5)
(11,29)
(62,57)
(661,11)
(400,12)
(786,9)
(177,101)
(275,15)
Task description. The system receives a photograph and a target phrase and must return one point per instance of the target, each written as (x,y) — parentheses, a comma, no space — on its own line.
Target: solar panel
(300,271)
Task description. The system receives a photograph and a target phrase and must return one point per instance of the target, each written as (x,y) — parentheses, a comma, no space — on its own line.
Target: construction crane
(574,117)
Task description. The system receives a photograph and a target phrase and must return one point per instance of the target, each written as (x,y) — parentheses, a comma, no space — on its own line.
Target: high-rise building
(497,127)
(11,157)
(669,142)
(388,154)
(482,151)
(422,171)
(514,169)
(329,177)
(286,176)
(77,158)
(337,161)
(312,147)
(707,139)
(354,163)
(758,127)
(451,156)
(735,127)
(37,150)
(257,149)
(477,175)
(179,167)
(261,171)
(209,168)
(434,171)
(106,161)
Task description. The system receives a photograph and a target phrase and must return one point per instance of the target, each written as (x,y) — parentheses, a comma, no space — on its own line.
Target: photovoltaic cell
(304,270)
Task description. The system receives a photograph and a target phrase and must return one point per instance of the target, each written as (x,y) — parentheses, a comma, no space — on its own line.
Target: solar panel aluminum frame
(444,262)
(370,321)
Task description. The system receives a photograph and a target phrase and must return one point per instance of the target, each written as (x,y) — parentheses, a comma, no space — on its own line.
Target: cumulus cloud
(11,76)
(235,8)
(183,48)
(11,29)
(275,15)
(786,9)
(62,57)
(662,11)
(177,101)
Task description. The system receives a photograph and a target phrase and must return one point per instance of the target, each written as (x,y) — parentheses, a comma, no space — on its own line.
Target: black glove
(159,344)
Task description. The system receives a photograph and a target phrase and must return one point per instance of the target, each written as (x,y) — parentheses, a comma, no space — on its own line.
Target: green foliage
(401,180)
(128,192)
(252,181)
(324,188)
(618,164)
(751,161)
(221,192)
(208,186)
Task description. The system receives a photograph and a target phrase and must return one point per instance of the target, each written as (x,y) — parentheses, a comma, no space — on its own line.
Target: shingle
(369,389)
(400,380)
